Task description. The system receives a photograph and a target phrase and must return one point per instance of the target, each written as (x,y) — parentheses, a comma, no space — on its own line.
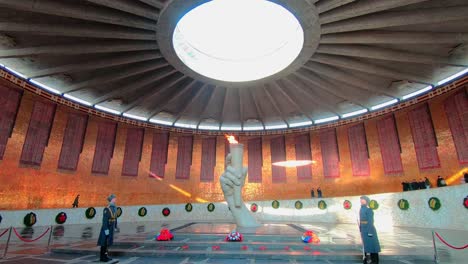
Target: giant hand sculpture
(231,183)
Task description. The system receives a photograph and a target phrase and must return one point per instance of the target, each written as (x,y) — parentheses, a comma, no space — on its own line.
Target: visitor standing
(414,185)
(75,202)
(319,192)
(422,184)
(427,182)
(441,182)
(312,193)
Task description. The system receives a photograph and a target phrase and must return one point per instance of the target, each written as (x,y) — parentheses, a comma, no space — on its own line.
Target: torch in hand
(237,155)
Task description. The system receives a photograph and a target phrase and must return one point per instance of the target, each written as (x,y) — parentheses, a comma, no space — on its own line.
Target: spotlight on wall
(293,163)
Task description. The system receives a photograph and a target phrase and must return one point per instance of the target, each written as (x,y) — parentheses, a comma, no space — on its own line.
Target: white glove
(106,232)
(370,235)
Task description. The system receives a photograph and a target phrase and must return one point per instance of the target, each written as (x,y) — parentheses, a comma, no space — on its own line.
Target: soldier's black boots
(103,255)
(373,258)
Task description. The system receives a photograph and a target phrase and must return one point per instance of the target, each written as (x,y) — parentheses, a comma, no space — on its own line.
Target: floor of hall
(204,243)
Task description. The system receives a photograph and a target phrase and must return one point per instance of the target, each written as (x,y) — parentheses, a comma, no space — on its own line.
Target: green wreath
(119,212)
(30,219)
(434,203)
(275,204)
(347,204)
(403,204)
(254,207)
(322,205)
(298,205)
(211,207)
(61,218)
(90,213)
(374,205)
(142,211)
(188,207)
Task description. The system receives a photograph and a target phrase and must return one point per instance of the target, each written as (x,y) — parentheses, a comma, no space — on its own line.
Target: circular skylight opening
(238,40)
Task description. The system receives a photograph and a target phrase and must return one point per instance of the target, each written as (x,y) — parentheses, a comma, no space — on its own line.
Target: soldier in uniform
(368,232)
(109,223)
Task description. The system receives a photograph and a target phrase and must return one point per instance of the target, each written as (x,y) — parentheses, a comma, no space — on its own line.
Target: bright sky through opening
(238,40)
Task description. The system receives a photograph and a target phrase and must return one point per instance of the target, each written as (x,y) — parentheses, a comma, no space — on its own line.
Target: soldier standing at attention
(109,223)
(368,232)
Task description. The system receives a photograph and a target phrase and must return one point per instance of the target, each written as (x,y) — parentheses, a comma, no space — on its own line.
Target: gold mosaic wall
(46,186)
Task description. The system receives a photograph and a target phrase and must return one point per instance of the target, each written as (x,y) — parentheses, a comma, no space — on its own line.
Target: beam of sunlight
(456,176)
(200,200)
(180,190)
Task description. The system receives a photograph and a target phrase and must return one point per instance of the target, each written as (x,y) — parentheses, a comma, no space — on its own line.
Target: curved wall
(451,215)
(46,186)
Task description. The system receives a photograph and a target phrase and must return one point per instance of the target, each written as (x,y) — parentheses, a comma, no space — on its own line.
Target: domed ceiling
(118,55)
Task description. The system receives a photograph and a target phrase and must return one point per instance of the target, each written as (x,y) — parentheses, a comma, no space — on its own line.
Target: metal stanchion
(50,237)
(436,258)
(8,242)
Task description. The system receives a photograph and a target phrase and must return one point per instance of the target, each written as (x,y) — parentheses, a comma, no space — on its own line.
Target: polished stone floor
(203,243)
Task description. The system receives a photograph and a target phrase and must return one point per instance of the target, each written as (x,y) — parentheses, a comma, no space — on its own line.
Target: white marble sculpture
(232,181)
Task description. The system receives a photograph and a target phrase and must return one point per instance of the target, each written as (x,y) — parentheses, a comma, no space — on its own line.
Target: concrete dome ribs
(117,55)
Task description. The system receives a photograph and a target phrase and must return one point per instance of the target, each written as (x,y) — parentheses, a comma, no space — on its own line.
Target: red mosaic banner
(358,150)
(73,141)
(9,103)
(456,109)
(105,142)
(303,152)
(389,145)
(330,154)
(208,161)
(278,153)
(133,150)
(424,138)
(159,154)
(37,137)
(255,159)
(184,157)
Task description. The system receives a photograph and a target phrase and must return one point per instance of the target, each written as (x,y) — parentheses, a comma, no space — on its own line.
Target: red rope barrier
(454,247)
(4,232)
(30,240)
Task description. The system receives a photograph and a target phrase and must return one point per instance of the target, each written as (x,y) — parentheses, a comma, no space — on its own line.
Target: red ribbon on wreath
(254,208)
(347,205)
(166,211)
